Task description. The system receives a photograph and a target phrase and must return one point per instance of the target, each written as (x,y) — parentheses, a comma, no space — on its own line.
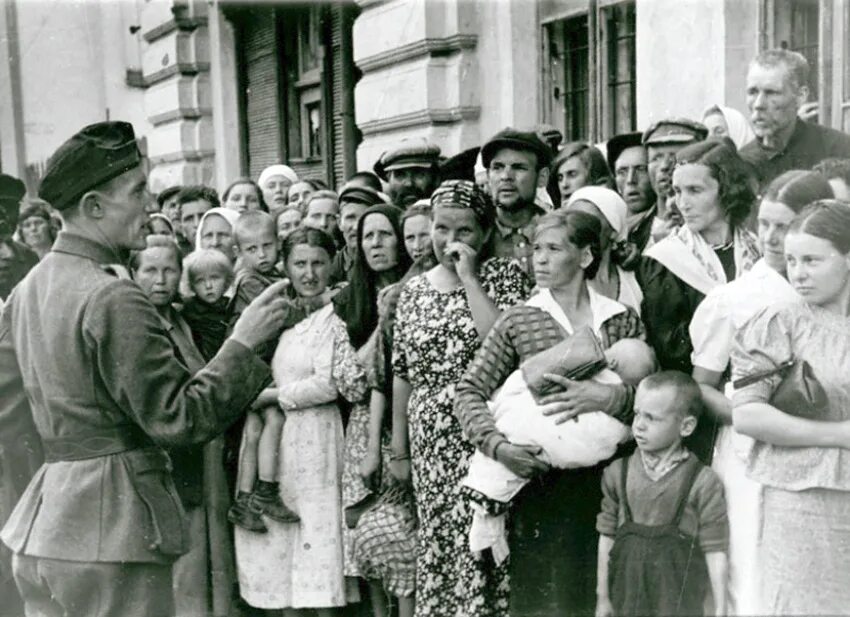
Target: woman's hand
(465,261)
(524,461)
(577,397)
(400,470)
(370,466)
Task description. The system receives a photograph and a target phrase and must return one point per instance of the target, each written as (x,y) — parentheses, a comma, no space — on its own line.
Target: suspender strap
(624,474)
(688,484)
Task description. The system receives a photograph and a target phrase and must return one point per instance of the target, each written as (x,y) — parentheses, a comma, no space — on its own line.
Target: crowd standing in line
(529,380)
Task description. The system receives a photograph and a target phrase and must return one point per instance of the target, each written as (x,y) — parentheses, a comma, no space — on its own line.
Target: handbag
(798,394)
(576,357)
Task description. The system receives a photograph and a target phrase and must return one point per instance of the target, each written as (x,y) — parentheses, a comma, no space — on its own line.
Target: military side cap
(618,144)
(409,153)
(97,154)
(525,141)
(360,194)
(674,131)
(11,189)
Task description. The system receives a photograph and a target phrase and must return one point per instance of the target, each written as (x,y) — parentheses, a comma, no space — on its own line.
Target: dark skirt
(553,543)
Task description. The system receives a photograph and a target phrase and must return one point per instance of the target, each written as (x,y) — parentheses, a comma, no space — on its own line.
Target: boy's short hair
(688,396)
(202,260)
(253,222)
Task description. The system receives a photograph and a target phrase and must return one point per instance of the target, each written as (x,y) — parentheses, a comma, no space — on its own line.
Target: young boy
(584,442)
(256,245)
(663,526)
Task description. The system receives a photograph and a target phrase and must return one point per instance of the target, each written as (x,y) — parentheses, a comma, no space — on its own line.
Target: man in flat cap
(518,164)
(100,524)
(16,259)
(354,200)
(662,141)
(628,161)
(777,86)
(411,171)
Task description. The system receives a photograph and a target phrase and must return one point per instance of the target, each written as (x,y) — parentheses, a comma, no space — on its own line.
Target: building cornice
(424,117)
(418,49)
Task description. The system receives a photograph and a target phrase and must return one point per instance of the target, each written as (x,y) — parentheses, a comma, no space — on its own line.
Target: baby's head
(256,241)
(667,407)
(208,274)
(632,360)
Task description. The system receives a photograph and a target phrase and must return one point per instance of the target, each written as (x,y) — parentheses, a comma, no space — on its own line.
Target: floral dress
(435,338)
(300,565)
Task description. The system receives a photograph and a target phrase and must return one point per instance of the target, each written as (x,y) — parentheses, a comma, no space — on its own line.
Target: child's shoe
(245,513)
(266,497)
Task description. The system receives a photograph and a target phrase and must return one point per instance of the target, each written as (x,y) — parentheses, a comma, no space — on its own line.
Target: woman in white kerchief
(713,247)
(274,182)
(611,280)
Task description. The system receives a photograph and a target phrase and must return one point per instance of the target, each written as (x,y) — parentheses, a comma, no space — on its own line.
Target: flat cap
(618,144)
(96,154)
(11,189)
(674,131)
(416,152)
(525,141)
(357,193)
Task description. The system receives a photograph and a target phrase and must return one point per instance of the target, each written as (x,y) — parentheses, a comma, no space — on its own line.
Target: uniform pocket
(151,476)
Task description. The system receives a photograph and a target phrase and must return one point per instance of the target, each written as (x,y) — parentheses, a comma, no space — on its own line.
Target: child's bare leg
(378,597)
(405,606)
(269,444)
(267,494)
(249,453)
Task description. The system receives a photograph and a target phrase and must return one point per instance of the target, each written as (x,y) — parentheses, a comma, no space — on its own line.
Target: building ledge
(418,49)
(425,117)
(180,156)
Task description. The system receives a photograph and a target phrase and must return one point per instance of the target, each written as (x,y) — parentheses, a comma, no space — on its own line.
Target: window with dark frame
(620,103)
(796,27)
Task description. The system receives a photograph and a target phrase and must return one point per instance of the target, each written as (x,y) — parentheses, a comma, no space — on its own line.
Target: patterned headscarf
(464,194)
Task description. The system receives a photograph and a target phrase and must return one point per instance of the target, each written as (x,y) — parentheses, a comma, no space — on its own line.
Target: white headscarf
(610,204)
(740,131)
(277,170)
(226,213)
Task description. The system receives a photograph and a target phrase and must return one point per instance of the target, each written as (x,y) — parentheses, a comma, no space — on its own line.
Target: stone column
(175,66)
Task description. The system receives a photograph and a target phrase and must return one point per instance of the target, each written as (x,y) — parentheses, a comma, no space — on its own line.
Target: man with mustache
(776,88)
(517,163)
(628,162)
(411,171)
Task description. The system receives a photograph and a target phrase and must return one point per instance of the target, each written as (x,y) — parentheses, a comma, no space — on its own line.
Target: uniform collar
(505,230)
(72,244)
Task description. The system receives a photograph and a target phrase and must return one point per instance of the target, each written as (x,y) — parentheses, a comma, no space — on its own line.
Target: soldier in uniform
(98,527)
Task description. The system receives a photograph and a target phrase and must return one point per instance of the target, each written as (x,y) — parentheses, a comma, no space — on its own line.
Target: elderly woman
(580,164)
(552,537)
(440,319)
(299,566)
(35,227)
(274,182)
(215,231)
(801,451)
(724,311)
(714,194)
(728,122)
(203,578)
(611,280)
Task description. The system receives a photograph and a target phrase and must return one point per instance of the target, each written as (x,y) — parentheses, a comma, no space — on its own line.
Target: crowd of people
(532,379)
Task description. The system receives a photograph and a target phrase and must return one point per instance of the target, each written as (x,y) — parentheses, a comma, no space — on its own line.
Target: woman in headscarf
(160,225)
(215,231)
(274,182)
(728,122)
(611,279)
(714,195)
(441,317)
(380,262)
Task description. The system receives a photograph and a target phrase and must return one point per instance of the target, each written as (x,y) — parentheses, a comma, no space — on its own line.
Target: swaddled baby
(585,441)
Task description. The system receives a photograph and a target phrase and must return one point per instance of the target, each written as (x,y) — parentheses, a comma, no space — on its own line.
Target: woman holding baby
(551,534)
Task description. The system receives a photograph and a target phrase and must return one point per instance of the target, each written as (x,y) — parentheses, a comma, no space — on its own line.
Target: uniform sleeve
(494,361)
(762,344)
(348,373)
(134,361)
(505,282)
(712,333)
(710,504)
(608,518)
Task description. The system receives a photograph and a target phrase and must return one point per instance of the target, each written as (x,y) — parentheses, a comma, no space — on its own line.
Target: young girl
(663,526)
(209,274)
